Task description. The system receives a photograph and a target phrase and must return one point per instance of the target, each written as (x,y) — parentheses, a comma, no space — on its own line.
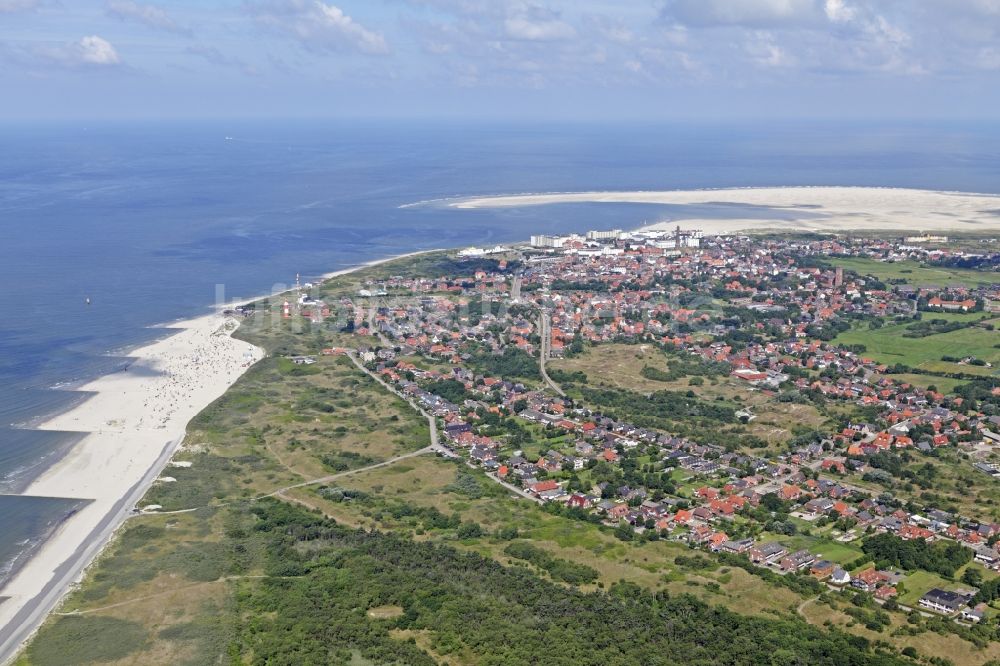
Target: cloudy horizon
(544,59)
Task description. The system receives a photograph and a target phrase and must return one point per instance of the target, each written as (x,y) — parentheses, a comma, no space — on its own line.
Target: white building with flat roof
(613,234)
(547,241)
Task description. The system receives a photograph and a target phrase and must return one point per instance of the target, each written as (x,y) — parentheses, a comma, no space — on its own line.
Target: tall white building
(613,234)
(547,241)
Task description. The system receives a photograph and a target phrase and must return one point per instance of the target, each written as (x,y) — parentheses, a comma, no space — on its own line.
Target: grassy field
(943,384)
(620,366)
(956,487)
(282,424)
(887,345)
(916,273)
(821,547)
(161,589)
(927,643)
(162,577)
(617,365)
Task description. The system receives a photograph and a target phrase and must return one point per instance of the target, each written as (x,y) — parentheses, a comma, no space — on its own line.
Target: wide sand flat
(792,208)
(134,421)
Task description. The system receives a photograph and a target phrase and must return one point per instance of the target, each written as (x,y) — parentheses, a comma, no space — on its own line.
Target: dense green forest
(323,579)
(943,557)
(512,363)
(658,406)
(451,390)
(559,569)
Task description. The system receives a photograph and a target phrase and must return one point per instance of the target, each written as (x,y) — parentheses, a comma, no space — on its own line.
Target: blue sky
(517,59)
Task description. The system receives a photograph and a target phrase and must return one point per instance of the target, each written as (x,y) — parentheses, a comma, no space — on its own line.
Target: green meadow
(887,345)
(915,273)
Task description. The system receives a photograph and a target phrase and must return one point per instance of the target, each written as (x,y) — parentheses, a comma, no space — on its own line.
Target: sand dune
(792,208)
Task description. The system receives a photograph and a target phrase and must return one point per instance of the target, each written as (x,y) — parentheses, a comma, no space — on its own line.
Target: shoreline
(20,479)
(797,208)
(38,543)
(43,579)
(133,423)
(378,262)
(237,302)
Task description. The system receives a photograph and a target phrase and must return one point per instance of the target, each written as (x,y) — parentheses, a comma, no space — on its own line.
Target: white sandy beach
(135,420)
(794,208)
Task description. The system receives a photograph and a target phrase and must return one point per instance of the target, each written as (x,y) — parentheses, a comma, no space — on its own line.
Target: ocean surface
(146,220)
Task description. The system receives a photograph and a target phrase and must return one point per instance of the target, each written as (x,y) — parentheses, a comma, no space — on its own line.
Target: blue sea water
(146,220)
(27,522)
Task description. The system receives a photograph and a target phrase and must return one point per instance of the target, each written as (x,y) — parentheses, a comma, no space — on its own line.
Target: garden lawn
(919,582)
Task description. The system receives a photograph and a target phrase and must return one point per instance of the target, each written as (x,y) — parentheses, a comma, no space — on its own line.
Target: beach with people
(133,422)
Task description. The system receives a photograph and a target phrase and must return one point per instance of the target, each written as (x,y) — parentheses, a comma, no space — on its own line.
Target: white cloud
(838,12)
(711,40)
(335,20)
(438,48)
(467,75)
(91,52)
(522,27)
(766,52)
(620,34)
(819,35)
(461,7)
(149,15)
(94,50)
(318,26)
(870,40)
(88,51)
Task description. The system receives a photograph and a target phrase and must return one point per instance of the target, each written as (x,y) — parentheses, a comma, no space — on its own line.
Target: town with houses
(486,353)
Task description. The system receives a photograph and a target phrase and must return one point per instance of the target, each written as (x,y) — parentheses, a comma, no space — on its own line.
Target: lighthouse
(286,310)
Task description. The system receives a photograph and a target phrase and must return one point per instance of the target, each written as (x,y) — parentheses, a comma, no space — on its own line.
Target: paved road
(512,488)
(372,311)
(24,624)
(543,330)
(431,421)
(436,445)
